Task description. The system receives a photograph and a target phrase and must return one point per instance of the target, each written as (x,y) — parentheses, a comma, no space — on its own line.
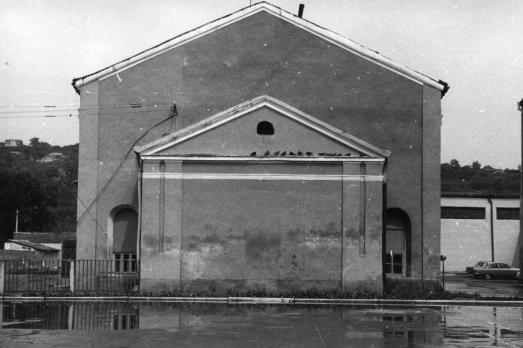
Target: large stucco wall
(253,233)
(465,241)
(506,233)
(255,56)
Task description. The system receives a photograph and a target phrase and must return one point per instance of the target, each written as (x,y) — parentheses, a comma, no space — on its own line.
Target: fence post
(71,276)
(2,277)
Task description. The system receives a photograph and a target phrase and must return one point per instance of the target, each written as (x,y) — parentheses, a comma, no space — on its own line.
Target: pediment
(239,131)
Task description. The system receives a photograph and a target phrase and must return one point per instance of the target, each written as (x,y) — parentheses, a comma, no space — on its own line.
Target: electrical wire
(53,108)
(113,175)
(494,135)
(88,212)
(83,114)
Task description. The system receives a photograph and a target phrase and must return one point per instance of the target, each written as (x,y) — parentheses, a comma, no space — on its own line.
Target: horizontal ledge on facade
(261,159)
(261,177)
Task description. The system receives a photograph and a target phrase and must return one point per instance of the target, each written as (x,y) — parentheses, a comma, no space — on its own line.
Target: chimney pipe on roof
(300,10)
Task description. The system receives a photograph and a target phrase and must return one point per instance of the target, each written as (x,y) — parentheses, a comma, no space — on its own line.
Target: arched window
(265,128)
(397,250)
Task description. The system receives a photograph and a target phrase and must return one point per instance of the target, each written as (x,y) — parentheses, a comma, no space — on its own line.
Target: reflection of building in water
(104,316)
(410,328)
(35,316)
(67,316)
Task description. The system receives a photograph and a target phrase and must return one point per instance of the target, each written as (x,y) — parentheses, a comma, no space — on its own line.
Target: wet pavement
(221,325)
(493,288)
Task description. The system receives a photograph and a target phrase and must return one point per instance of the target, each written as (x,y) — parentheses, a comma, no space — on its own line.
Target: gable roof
(36,246)
(252,105)
(315,29)
(44,237)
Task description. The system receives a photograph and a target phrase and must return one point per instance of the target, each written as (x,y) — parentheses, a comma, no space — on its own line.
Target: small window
(125,262)
(462,213)
(265,128)
(507,213)
(394,263)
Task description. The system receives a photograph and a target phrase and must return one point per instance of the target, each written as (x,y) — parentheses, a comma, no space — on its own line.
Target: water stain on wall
(261,242)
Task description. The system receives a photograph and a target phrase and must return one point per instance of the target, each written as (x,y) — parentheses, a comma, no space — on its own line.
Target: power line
(84,114)
(489,140)
(49,108)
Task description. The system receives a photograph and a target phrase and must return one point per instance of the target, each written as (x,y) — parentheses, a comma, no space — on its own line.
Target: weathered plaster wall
(87,174)
(262,234)
(431,186)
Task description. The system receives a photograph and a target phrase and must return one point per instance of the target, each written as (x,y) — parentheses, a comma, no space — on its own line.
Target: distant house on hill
(53,156)
(492,170)
(13,142)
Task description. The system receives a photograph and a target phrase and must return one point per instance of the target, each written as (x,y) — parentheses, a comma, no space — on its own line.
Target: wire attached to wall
(172,114)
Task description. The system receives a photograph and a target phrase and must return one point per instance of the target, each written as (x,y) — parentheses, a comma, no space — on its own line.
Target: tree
(476,165)
(44,193)
(454,163)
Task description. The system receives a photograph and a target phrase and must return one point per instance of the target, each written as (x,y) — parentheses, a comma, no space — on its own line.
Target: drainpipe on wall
(139,239)
(491,229)
(384,224)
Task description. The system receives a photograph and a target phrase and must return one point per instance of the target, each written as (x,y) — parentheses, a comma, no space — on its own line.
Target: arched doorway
(397,250)
(124,227)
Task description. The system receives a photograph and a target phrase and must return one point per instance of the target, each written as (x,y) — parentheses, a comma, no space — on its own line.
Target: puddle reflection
(278,325)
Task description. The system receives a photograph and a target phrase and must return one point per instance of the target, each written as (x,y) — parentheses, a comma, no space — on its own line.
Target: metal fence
(77,276)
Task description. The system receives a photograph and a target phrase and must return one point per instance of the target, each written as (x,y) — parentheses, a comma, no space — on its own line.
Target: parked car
(470,269)
(489,270)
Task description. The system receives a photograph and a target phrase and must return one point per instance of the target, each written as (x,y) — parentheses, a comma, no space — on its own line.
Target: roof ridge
(305,24)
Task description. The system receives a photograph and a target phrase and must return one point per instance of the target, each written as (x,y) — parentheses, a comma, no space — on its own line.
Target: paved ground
(503,288)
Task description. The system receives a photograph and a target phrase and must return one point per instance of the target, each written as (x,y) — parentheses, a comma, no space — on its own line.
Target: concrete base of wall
(159,286)
(411,286)
(278,287)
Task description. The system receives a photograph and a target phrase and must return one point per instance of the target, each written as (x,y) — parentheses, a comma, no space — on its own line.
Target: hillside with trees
(42,190)
(477,179)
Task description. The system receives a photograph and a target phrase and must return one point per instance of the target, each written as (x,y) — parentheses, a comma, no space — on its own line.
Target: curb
(266,300)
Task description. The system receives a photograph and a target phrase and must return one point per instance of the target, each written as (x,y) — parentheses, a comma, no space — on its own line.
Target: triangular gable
(206,125)
(325,34)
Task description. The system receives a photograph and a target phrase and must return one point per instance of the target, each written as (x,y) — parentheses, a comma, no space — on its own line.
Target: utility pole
(520,239)
(16,221)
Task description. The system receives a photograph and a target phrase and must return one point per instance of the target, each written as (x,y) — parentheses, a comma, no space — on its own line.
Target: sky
(474,45)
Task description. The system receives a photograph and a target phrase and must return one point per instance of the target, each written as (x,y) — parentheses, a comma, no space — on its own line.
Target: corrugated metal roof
(44,237)
(35,246)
